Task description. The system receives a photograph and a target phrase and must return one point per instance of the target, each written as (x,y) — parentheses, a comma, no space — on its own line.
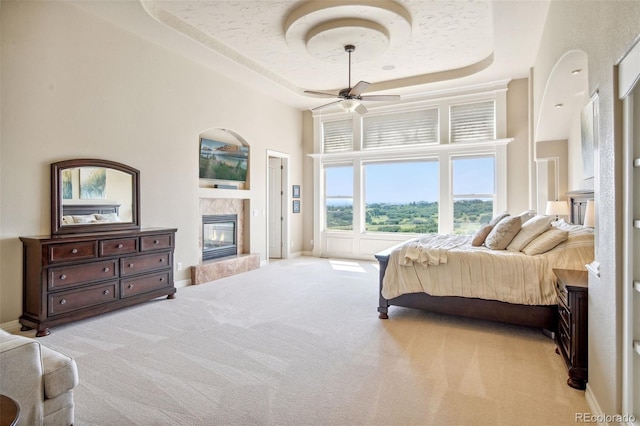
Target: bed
(446,274)
(78,214)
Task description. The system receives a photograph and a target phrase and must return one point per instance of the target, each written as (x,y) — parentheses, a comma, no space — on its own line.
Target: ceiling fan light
(349,105)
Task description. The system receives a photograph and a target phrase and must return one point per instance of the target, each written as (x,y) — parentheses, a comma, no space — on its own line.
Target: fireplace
(219,234)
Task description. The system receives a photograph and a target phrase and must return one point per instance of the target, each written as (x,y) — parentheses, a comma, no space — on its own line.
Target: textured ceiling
(410,39)
(283,47)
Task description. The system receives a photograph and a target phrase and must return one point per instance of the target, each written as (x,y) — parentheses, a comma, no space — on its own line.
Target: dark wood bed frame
(544,317)
(85,209)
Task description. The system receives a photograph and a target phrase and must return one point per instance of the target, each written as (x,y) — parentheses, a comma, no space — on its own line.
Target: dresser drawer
(60,303)
(73,251)
(156,242)
(133,286)
(66,276)
(564,338)
(565,315)
(118,247)
(146,263)
(562,292)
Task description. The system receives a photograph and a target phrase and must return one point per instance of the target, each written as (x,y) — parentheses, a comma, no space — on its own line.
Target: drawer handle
(130,286)
(131,265)
(156,242)
(161,260)
(106,269)
(106,292)
(63,277)
(119,245)
(74,251)
(162,279)
(63,301)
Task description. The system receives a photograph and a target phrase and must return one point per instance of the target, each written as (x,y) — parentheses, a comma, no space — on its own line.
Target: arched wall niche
(230,137)
(557,140)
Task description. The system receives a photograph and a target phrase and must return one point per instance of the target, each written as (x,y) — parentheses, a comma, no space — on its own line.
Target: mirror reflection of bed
(82,214)
(513,284)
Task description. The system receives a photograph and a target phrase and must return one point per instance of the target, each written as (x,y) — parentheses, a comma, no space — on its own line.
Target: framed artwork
(93,181)
(296,206)
(67,184)
(296,191)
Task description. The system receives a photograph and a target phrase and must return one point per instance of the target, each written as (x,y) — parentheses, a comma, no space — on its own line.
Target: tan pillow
(530,230)
(502,234)
(481,235)
(546,241)
(497,218)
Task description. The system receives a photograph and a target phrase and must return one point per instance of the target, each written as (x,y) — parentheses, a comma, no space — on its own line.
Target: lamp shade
(557,208)
(590,214)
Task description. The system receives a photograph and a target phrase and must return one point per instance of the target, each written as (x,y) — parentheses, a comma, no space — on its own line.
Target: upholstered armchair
(39,379)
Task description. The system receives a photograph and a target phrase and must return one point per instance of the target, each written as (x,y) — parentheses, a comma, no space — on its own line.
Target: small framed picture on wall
(296,191)
(296,206)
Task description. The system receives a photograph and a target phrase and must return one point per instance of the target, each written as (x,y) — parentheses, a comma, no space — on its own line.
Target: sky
(404,182)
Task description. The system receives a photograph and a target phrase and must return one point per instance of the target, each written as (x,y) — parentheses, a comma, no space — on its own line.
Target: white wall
(74,86)
(604,30)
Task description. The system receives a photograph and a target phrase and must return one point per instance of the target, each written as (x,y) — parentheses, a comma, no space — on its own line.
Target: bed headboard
(578,204)
(85,209)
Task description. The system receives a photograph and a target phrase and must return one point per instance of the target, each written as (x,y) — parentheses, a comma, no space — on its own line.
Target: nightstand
(572,335)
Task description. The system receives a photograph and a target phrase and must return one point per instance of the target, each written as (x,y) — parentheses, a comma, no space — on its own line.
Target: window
(337,136)
(435,164)
(339,198)
(401,129)
(401,197)
(473,122)
(473,192)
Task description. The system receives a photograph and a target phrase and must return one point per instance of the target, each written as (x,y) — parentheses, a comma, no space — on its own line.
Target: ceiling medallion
(321,29)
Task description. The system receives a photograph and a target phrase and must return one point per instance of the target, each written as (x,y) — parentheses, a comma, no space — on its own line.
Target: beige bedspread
(452,267)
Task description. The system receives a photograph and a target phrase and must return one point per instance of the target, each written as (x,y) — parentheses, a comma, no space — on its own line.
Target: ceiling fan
(351,96)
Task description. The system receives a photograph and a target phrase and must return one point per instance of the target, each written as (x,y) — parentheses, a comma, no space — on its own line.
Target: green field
(417,217)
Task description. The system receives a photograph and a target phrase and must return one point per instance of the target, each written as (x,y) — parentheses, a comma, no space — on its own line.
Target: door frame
(285,200)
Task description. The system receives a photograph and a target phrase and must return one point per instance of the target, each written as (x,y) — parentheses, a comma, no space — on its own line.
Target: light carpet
(298,342)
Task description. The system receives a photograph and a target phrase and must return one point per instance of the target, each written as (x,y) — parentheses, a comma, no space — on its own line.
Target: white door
(629,92)
(275,208)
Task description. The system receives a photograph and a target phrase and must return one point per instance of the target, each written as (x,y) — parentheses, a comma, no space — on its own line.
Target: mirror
(90,195)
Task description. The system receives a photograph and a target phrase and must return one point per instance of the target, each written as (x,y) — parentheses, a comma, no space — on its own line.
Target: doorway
(277,200)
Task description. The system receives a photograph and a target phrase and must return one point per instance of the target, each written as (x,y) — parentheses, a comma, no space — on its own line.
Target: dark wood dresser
(67,278)
(572,336)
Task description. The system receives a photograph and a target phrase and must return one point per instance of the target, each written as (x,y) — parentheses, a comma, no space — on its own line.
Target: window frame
(443,151)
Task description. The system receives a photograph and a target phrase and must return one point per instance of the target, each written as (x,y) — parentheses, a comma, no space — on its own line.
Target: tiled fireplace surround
(219,268)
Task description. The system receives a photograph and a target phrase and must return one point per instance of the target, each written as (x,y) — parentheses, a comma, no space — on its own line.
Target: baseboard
(596,411)
(182,283)
(12,327)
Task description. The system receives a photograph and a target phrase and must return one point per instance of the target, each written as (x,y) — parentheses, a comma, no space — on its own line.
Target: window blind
(473,122)
(406,128)
(337,136)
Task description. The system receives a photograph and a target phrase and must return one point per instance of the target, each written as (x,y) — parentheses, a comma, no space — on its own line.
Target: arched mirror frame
(57,228)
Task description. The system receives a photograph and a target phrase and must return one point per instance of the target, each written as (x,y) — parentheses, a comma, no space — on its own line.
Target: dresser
(67,278)
(572,335)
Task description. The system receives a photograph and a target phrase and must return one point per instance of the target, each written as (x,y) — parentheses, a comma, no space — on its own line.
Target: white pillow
(481,235)
(546,241)
(497,218)
(88,218)
(530,230)
(502,234)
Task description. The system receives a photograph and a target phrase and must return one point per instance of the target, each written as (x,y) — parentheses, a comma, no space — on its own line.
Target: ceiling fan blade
(359,88)
(361,109)
(321,94)
(325,105)
(380,98)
